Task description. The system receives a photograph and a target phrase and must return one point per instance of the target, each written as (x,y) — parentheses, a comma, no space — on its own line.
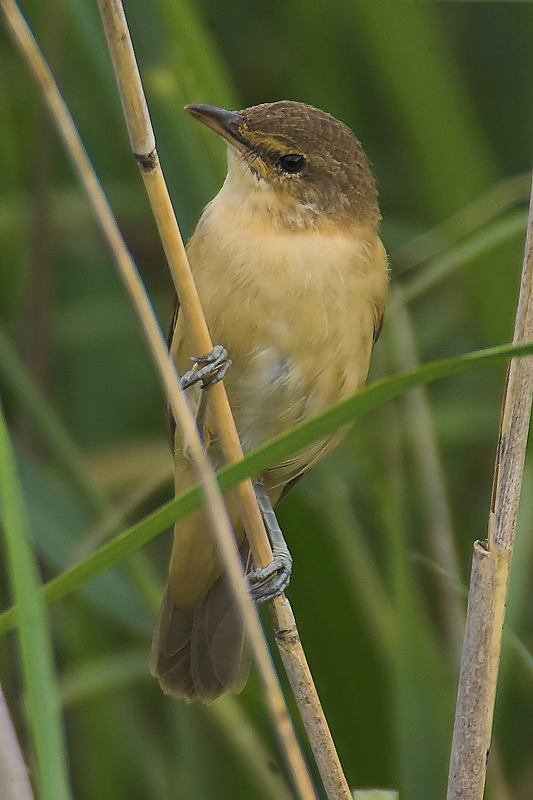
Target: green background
(439,93)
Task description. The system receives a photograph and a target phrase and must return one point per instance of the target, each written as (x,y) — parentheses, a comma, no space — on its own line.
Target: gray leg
(270,581)
(209,369)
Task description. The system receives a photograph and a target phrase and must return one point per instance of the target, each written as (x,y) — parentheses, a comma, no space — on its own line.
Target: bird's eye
(292,163)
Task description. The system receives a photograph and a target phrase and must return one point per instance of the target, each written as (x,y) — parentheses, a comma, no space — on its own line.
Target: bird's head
(310,165)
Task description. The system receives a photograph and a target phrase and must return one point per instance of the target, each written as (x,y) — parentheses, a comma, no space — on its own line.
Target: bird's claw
(269,582)
(208,369)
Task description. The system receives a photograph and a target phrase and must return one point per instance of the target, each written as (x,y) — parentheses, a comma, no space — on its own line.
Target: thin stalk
(144,148)
(41,693)
(14,783)
(491,565)
(351,409)
(215,508)
(59,442)
(237,730)
(143,144)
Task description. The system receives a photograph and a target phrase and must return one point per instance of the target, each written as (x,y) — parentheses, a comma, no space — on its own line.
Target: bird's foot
(270,581)
(208,369)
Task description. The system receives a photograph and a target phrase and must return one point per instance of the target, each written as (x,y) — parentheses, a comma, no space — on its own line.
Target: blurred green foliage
(381,534)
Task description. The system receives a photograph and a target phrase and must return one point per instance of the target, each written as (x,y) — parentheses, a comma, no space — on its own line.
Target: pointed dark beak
(227,124)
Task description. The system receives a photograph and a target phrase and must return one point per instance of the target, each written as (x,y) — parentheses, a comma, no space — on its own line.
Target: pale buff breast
(296,309)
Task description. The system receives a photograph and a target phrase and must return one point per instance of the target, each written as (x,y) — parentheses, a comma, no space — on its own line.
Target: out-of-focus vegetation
(381,534)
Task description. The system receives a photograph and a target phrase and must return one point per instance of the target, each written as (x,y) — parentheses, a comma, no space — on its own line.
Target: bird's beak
(227,124)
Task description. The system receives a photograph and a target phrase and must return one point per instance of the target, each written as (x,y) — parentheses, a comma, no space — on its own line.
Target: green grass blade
(40,682)
(368,399)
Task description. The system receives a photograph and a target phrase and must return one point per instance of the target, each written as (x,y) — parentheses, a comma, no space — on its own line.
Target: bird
(293,278)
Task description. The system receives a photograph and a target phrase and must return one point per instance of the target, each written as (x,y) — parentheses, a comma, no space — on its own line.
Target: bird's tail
(200,653)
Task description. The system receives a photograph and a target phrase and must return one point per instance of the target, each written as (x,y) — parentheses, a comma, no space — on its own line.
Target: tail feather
(200,653)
